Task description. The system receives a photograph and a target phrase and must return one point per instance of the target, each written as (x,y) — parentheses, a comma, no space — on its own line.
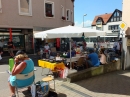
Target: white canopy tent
(68,32)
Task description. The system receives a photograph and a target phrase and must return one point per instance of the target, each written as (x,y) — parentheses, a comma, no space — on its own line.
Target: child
(102,57)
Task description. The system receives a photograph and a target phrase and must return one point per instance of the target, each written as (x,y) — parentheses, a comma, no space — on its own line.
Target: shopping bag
(63,72)
(42,89)
(33,90)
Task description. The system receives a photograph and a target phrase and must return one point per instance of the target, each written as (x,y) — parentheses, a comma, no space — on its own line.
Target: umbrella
(68,32)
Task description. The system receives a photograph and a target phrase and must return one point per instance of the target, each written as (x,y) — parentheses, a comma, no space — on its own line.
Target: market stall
(68,32)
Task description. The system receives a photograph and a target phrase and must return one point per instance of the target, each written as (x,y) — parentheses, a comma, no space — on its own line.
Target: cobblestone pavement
(114,84)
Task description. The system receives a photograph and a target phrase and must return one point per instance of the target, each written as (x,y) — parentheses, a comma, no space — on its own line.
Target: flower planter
(63,18)
(49,15)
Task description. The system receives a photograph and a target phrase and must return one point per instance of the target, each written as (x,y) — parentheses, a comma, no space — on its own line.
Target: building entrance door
(29,44)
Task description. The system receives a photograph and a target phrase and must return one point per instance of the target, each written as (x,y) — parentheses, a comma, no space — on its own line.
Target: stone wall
(94,71)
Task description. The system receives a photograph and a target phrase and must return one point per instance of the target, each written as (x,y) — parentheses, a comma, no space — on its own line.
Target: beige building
(19,19)
(126,32)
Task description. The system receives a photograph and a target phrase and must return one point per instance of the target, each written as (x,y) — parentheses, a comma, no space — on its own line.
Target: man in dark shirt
(10,47)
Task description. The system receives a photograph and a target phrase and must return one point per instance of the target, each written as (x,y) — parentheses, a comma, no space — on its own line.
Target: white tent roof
(68,32)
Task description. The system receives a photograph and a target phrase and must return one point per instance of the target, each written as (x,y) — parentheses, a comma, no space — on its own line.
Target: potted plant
(49,15)
(72,24)
(72,0)
(63,18)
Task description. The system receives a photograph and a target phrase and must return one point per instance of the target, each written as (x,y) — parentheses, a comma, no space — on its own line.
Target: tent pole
(70,54)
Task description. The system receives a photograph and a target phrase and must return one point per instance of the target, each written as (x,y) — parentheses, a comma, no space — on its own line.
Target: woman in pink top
(102,57)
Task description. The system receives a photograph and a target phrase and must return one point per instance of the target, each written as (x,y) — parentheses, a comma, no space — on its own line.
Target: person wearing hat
(23,65)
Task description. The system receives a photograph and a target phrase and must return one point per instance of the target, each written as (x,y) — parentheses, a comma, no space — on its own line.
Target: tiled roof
(105,18)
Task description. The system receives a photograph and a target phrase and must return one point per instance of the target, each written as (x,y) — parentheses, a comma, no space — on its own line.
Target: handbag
(42,89)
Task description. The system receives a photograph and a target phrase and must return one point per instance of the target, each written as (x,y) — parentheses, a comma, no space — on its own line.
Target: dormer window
(117,16)
(99,22)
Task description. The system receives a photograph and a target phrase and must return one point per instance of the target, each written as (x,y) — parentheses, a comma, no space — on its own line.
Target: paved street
(115,84)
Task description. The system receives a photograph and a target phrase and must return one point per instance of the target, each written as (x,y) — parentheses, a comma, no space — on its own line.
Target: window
(118,14)
(49,9)
(62,10)
(98,28)
(110,39)
(116,27)
(116,17)
(113,27)
(99,22)
(68,15)
(109,27)
(111,19)
(62,13)
(0,7)
(18,41)
(93,39)
(115,14)
(71,16)
(25,7)
(120,18)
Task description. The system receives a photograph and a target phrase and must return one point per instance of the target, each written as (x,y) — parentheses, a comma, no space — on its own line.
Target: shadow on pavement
(27,94)
(114,83)
(62,95)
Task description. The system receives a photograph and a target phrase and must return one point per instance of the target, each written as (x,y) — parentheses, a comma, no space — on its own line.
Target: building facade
(108,22)
(126,33)
(19,19)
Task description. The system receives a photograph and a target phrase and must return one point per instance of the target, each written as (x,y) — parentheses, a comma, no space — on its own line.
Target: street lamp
(83,18)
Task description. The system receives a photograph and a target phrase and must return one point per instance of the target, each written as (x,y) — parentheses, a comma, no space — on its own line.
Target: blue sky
(93,8)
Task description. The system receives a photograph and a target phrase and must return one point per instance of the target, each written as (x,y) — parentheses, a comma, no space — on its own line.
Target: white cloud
(86,24)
